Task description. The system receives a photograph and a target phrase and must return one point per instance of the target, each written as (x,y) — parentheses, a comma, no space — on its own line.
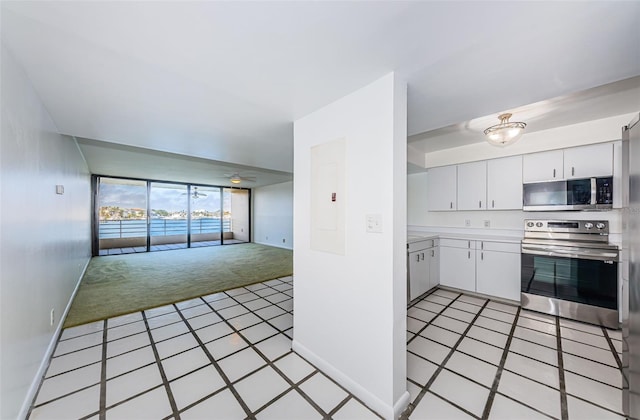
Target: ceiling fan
(195,193)
(235,178)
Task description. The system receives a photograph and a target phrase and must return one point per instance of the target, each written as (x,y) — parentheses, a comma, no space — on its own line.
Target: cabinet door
(544,166)
(441,188)
(458,268)
(418,273)
(588,161)
(498,274)
(504,183)
(472,186)
(434,267)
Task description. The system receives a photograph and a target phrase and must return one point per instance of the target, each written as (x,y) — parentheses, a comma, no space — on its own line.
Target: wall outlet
(487,223)
(467,222)
(52,317)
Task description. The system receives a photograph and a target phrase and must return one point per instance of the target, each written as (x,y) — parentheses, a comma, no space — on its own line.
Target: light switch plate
(374,223)
(60,189)
(487,223)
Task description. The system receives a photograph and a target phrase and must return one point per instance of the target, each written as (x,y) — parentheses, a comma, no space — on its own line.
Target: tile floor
(228,356)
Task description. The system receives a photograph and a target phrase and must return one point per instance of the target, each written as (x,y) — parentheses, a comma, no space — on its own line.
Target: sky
(134,196)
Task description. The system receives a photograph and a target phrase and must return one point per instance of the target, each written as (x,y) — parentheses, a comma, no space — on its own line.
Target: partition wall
(138,215)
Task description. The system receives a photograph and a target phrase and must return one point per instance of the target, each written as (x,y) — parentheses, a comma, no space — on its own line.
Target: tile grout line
(103,374)
(434,376)
(563,390)
(612,348)
(165,382)
(503,360)
(215,364)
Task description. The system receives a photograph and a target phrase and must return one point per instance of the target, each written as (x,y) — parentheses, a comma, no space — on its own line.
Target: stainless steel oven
(569,269)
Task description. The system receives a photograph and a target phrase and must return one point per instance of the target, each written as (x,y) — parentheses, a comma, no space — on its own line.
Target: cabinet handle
(481,245)
(469,255)
(422,256)
(480,204)
(573,171)
(417,257)
(451,205)
(554,173)
(433,253)
(469,244)
(482,256)
(493,203)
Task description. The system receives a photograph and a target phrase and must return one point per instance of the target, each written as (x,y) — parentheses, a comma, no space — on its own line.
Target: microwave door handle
(594,198)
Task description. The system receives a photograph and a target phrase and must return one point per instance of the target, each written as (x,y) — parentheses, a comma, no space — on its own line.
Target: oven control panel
(567,226)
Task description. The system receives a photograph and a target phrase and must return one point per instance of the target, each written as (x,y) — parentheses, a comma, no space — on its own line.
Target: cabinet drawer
(458,243)
(499,246)
(420,245)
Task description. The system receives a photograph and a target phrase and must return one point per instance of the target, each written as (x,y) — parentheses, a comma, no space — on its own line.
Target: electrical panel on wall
(328,193)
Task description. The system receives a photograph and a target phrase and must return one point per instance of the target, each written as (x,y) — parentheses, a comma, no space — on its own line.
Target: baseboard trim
(370,400)
(44,364)
(273,245)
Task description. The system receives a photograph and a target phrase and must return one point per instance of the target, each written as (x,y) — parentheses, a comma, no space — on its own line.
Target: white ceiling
(127,161)
(225,80)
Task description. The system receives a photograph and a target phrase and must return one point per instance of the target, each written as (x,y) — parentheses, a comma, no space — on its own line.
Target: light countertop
(419,236)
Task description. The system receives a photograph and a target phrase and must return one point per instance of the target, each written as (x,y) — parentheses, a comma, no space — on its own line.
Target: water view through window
(141,216)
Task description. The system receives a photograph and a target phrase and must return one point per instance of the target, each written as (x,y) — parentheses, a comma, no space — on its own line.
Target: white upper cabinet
(504,183)
(575,162)
(441,188)
(544,166)
(472,186)
(588,161)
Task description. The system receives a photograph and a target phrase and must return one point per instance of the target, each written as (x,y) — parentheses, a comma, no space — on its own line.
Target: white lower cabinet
(498,270)
(458,264)
(423,267)
(490,268)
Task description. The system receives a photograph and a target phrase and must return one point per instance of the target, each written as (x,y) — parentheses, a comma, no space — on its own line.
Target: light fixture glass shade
(506,132)
(235,179)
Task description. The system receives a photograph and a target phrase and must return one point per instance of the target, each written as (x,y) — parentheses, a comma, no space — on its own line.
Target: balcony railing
(113,229)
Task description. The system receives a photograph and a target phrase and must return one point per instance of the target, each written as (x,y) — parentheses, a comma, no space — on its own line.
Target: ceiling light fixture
(235,179)
(506,132)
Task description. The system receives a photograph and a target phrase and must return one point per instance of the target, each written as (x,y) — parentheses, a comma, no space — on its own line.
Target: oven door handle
(567,252)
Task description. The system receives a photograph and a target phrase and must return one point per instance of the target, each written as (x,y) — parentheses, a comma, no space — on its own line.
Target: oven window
(578,280)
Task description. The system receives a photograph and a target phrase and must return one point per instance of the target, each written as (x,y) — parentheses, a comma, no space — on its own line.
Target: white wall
(350,310)
(273,215)
(44,237)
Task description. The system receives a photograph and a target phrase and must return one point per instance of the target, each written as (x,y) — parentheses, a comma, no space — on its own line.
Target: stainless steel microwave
(570,194)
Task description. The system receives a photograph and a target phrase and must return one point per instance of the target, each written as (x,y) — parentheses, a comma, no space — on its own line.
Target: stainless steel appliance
(570,269)
(570,194)
(631,245)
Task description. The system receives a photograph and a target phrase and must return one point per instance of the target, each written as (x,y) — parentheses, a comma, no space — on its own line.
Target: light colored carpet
(120,284)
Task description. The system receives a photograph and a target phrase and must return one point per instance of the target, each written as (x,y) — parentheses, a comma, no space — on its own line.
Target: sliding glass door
(169,206)
(142,215)
(236,216)
(122,216)
(206,215)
